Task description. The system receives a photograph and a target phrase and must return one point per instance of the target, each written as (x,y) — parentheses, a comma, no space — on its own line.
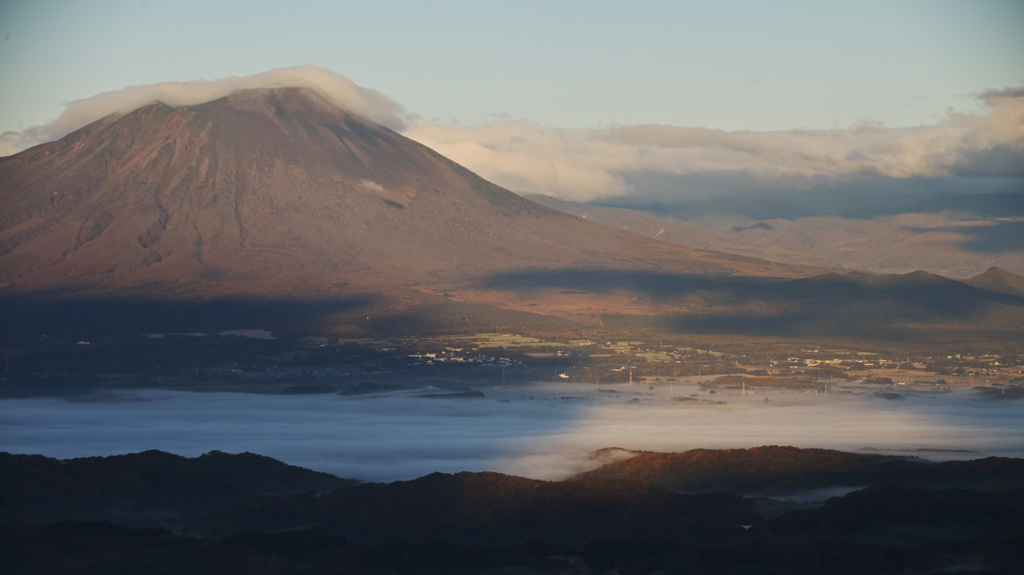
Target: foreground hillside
(37,489)
(491,523)
(775,470)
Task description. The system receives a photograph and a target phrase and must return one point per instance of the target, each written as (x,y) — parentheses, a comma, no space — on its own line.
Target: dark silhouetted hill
(493,508)
(101,548)
(780,470)
(886,513)
(489,523)
(38,489)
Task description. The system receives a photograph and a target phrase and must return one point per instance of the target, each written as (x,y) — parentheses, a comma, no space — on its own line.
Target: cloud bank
(336,88)
(536,434)
(587,164)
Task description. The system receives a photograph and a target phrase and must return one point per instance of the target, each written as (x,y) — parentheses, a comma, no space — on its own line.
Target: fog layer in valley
(393,437)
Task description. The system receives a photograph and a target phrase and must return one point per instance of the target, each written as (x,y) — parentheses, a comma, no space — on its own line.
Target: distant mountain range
(998,280)
(955,236)
(277,195)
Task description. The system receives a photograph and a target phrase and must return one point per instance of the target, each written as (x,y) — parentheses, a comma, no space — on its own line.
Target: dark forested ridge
(497,509)
(772,470)
(247,513)
(37,489)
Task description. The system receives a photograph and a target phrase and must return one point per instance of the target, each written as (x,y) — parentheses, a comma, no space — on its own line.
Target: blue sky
(729,65)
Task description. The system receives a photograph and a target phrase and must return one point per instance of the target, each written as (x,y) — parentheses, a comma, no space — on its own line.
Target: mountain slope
(998,280)
(276,196)
(278,192)
(943,237)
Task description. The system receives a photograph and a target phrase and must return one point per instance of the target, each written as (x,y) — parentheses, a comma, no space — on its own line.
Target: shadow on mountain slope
(855,303)
(1000,237)
(917,288)
(872,306)
(37,315)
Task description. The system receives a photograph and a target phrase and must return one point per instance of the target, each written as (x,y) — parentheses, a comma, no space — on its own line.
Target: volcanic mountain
(279,195)
(279,191)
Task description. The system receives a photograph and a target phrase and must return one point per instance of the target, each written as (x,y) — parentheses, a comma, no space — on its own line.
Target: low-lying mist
(543,431)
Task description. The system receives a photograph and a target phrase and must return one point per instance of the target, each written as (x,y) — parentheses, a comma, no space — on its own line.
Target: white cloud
(583,164)
(371,185)
(338,89)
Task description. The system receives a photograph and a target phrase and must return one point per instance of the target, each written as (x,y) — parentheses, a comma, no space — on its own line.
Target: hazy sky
(729,65)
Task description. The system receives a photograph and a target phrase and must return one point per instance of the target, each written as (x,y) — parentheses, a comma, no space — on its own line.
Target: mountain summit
(278,191)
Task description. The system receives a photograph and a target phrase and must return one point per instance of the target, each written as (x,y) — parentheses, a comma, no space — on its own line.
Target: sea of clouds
(540,431)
